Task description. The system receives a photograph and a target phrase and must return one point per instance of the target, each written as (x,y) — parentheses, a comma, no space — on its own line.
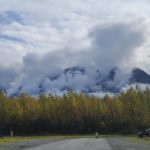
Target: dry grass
(31,138)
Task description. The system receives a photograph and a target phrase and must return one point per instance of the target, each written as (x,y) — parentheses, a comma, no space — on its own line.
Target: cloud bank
(39,40)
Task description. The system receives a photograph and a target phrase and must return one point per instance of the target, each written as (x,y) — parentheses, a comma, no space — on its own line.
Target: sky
(38,38)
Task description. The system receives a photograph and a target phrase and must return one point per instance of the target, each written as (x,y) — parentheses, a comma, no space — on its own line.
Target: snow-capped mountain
(80,79)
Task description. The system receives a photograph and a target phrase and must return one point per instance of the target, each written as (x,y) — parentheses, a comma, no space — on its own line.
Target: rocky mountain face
(139,76)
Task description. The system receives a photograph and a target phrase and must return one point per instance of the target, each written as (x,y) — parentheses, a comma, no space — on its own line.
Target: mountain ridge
(73,79)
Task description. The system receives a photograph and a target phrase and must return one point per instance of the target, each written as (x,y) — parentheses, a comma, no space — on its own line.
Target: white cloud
(43,37)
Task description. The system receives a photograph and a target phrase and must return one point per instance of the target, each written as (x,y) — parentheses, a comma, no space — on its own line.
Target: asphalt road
(75,144)
(110,143)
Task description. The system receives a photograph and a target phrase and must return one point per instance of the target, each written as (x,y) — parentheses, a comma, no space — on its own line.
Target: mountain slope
(82,80)
(139,76)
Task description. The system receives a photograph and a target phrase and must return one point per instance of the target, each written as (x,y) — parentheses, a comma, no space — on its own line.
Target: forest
(73,113)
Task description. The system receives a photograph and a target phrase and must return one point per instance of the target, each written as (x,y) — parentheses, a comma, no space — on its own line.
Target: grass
(132,139)
(18,139)
(31,138)
(144,140)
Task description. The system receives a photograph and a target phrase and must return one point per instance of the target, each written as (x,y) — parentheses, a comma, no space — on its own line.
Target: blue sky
(65,33)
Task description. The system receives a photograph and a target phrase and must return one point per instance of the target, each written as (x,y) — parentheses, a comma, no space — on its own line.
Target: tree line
(75,113)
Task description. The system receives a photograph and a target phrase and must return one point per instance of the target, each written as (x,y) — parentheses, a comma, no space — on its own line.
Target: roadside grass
(14,139)
(25,138)
(136,139)
(6,140)
(128,138)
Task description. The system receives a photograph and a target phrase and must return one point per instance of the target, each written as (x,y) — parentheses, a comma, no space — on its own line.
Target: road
(75,144)
(110,143)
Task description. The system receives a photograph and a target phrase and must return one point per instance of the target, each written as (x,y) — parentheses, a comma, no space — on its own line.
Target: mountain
(139,76)
(82,80)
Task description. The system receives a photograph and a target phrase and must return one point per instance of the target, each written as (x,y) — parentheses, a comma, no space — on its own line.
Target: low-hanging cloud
(111,47)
